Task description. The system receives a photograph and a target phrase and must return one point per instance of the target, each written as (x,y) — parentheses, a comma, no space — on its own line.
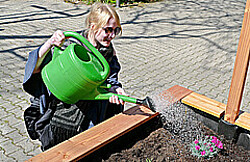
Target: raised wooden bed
(205,104)
(87,142)
(91,140)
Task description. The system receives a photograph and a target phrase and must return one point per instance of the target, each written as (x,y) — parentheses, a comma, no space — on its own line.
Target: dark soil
(160,146)
(151,141)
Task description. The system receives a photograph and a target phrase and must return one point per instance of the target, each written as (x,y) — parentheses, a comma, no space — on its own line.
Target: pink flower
(197,147)
(203,153)
(196,141)
(205,143)
(220,145)
(214,137)
(211,149)
(214,140)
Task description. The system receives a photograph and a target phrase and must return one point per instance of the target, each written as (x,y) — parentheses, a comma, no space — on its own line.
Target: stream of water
(177,118)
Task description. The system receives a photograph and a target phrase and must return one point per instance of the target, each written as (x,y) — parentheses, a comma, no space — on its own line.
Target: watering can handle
(105,64)
(79,37)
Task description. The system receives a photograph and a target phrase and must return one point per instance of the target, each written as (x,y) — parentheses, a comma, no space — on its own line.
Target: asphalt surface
(192,43)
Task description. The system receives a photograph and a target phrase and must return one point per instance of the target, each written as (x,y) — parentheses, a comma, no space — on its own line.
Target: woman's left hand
(115,99)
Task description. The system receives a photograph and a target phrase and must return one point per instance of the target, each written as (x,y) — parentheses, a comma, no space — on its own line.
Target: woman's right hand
(57,38)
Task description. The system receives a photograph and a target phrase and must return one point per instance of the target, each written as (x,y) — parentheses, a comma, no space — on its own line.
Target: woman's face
(104,35)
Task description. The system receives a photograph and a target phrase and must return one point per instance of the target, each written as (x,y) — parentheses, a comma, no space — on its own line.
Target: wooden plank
(205,104)
(175,93)
(240,70)
(243,120)
(92,139)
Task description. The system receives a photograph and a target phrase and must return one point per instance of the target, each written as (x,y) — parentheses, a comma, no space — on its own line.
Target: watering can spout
(147,102)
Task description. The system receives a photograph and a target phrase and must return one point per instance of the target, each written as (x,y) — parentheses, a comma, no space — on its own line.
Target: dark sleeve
(33,83)
(115,67)
(30,64)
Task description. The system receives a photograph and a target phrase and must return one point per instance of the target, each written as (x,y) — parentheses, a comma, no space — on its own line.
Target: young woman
(49,119)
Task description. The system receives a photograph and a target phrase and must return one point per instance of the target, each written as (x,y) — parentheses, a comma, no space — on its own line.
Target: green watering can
(78,74)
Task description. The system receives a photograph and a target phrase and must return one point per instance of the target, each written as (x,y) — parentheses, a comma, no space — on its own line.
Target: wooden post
(240,70)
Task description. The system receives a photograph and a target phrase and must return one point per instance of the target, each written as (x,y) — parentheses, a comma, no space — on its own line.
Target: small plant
(207,148)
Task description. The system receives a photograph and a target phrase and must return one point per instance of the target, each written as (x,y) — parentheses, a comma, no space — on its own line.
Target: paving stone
(2,138)
(163,44)
(11,120)
(27,145)
(35,152)
(18,112)
(15,136)
(20,155)
(3,113)
(4,158)
(5,128)
(9,147)
(20,126)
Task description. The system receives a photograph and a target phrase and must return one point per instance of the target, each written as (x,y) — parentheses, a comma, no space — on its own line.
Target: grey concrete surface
(191,43)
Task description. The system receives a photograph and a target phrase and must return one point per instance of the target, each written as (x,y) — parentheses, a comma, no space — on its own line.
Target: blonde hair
(99,15)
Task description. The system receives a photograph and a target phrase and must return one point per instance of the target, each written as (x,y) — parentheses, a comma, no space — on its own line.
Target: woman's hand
(57,39)
(115,99)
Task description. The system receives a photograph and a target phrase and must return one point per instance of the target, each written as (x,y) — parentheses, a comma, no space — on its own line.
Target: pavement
(192,43)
